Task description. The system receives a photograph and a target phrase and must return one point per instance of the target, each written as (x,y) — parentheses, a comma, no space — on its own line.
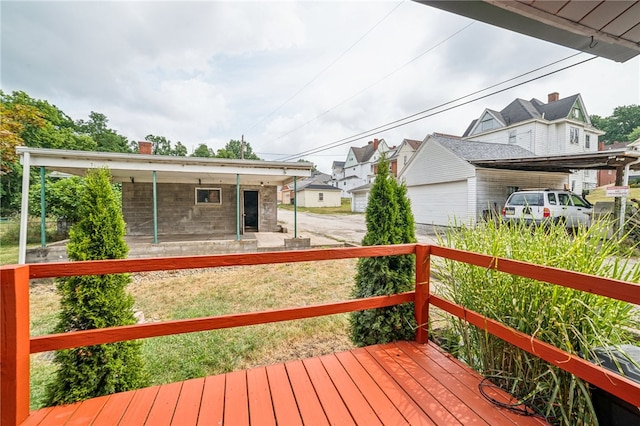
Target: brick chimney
(375,144)
(552,97)
(145,147)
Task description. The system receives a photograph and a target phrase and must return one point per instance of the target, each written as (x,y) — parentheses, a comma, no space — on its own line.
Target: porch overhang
(169,169)
(610,29)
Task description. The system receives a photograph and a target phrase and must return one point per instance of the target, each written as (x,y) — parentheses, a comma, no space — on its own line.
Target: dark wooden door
(251,211)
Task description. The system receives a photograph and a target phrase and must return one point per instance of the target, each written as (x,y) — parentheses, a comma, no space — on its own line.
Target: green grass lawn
(600,195)
(345,207)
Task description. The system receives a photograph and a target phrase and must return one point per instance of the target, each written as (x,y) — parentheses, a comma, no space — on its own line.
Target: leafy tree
(634,135)
(620,125)
(313,167)
(234,149)
(389,221)
(97,301)
(13,120)
(107,140)
(203,151)
(163,146)
(61,198)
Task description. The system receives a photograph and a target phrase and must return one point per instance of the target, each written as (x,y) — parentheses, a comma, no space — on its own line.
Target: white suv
(537,206)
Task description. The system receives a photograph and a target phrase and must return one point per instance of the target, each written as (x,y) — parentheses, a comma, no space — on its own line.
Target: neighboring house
(359,167)
(561,126)
(318,195)
(608,177)
(286,193)
(337,174)
(403,154)
(446,184)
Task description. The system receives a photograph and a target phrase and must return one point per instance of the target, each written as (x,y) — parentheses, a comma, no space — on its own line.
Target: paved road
(348,228)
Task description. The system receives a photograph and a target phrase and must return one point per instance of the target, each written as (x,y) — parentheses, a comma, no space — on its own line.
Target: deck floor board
(400,383)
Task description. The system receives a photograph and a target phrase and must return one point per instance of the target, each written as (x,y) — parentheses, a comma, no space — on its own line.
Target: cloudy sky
(289,76)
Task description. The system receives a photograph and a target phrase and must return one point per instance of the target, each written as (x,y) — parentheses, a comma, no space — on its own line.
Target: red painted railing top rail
(16,343)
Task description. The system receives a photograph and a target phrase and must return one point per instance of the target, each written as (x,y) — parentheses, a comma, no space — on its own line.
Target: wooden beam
(14,345)
(74,339)
(421,305)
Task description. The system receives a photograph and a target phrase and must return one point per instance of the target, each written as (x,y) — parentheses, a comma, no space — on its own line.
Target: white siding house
(446,188)
(318,195)
(561,126)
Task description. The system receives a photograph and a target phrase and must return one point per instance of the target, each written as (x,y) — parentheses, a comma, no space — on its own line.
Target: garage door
(439,204)
(360,201)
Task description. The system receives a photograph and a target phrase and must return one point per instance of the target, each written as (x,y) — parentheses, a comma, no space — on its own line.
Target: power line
(419,116)
(344,101)
(328,66)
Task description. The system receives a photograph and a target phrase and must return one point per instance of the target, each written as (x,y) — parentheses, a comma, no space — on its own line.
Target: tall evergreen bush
(96,301)
(389,221)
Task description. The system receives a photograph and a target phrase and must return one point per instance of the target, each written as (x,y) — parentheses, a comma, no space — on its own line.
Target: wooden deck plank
(236,407)
(446,367)
(396,394)
(87,411)
(284,403)
(164,405)
(188,405)
(356,403)
(138,409)
(260,406)
(334,407)
(36,417)
(212,404)
(434,409)
(381,404)
(114,408)
(446,397)
(309,405)
(60,414)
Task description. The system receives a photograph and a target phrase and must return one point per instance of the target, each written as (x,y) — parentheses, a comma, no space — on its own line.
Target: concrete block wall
(179,214)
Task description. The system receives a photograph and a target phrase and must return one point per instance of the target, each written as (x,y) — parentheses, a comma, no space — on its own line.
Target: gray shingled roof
(521,110)
(473,150)
(322,187)
(364,153)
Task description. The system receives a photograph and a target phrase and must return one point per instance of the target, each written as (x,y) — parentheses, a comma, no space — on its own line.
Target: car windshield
(578,201)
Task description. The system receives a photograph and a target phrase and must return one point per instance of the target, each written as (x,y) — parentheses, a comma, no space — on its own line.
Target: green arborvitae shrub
(389,221)
(96,301)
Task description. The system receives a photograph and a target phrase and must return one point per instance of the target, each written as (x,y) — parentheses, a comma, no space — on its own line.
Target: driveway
(347,228)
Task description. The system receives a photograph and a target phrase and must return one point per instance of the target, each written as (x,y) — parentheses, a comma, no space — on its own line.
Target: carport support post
(43,221)
(623,203)
(155,209)
(238,207)
(24,208)
(295,207)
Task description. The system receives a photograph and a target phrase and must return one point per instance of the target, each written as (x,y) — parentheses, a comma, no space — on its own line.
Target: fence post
(14,344)
(421,305)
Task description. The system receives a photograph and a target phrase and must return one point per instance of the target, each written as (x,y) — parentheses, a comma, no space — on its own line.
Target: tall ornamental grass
(572,320)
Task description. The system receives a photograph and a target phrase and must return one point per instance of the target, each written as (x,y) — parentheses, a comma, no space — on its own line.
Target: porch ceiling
(140,168)
(610,29)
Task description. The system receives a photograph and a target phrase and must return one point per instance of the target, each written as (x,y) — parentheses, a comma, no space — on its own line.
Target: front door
(250,211)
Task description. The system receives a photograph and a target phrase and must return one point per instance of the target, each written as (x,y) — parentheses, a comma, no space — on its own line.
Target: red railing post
(421,304)
(14,344)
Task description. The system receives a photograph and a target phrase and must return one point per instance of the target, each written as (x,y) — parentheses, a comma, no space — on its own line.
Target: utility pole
(242,149)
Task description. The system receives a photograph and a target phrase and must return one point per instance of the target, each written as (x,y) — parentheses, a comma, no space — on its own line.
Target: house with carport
(447,183)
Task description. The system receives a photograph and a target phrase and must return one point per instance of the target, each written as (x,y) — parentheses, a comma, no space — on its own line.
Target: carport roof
(169,169)
(600,160)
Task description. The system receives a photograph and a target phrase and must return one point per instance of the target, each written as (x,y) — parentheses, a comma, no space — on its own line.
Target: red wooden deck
(393,384)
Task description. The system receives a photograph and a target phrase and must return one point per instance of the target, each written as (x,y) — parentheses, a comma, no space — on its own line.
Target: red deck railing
(16,343)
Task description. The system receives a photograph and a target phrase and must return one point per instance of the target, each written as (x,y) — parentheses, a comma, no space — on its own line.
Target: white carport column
(24,208)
